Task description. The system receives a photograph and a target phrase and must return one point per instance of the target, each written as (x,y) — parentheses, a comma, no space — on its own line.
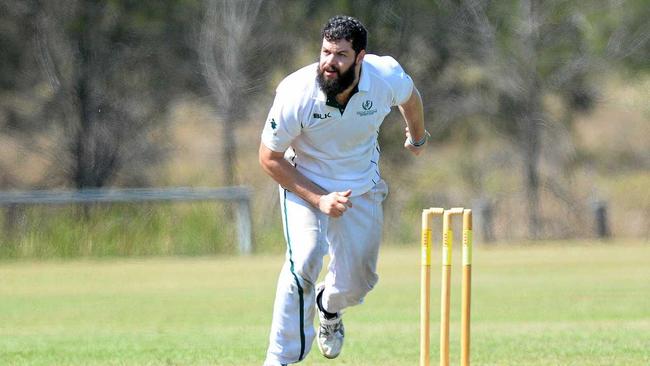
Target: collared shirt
(336,148)
(332,102)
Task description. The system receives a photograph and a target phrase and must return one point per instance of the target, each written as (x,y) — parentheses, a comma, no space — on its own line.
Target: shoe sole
(330,357)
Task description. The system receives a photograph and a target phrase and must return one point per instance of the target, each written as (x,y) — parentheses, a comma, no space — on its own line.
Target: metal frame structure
(241,195)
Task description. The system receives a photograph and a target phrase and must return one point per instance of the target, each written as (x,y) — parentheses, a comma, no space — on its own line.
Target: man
(320,144)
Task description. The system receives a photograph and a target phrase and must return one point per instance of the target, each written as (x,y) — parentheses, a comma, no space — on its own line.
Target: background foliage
(538,110)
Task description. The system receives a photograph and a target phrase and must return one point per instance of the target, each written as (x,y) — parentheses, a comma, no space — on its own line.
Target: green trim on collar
(332,102)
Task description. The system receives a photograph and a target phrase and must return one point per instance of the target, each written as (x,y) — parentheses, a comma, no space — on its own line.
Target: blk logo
(322,116)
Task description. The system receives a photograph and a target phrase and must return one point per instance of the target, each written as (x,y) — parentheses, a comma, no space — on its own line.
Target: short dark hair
(348,28)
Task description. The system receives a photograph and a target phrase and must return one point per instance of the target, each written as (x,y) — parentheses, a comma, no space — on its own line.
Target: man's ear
(360,56)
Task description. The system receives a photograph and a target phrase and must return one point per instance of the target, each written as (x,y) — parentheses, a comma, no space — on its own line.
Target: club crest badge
(367,109)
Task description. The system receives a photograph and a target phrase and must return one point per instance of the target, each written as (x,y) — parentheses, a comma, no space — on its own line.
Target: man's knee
(351,294)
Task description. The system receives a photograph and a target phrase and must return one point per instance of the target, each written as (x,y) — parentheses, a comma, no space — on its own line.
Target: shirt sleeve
(400,82)
(403,91)
(282,124)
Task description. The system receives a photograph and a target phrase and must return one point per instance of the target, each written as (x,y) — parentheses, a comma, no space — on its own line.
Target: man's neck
(343,97)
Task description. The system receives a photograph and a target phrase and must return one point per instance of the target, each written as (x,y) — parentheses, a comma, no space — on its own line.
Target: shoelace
(329,329)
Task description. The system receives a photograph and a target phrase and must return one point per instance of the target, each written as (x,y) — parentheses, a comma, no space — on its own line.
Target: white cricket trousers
(352,242)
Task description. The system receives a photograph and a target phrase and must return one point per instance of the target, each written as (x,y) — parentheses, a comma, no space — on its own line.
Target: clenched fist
(335,204)
(409,143)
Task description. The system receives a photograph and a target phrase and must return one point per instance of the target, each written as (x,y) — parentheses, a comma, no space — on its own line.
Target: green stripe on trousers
(300,291)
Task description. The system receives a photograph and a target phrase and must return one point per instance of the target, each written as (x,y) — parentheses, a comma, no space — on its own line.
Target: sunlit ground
(563,303)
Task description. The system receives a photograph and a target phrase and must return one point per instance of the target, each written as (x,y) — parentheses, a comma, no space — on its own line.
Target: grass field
(561,303)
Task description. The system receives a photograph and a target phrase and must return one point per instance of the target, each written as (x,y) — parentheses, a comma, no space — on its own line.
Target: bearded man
(319,144)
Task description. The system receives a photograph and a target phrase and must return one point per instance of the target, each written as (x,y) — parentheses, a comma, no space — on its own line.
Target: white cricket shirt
(336,150)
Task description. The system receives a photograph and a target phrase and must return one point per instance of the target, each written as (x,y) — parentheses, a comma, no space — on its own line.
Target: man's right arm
(333,204)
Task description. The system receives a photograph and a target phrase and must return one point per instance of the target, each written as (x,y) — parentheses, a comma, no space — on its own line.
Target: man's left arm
(413,113)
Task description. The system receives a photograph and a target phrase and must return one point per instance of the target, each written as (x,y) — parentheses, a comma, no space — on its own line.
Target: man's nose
(329,59)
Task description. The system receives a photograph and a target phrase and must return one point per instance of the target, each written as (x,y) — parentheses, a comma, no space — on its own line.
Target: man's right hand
(335,204)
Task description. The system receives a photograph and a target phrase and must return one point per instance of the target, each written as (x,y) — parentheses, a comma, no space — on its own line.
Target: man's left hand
(415,147)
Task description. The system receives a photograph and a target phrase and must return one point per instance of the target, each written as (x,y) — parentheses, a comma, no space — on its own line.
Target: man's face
(337,66)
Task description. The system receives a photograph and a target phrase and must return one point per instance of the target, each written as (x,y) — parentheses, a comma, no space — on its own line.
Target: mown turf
(545,304)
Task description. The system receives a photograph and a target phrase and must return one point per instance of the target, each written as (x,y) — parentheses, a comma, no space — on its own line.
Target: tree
(19,92)
(540,50)
(237,52)
(108,69)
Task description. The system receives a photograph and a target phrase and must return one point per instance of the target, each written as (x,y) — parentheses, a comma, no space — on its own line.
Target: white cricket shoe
(331,331)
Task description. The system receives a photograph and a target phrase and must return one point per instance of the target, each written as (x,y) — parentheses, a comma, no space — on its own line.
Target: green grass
(130,230)
(121,230)
(567,303)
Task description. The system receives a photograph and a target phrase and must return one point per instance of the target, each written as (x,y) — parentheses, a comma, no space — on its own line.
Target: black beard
(337,85)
